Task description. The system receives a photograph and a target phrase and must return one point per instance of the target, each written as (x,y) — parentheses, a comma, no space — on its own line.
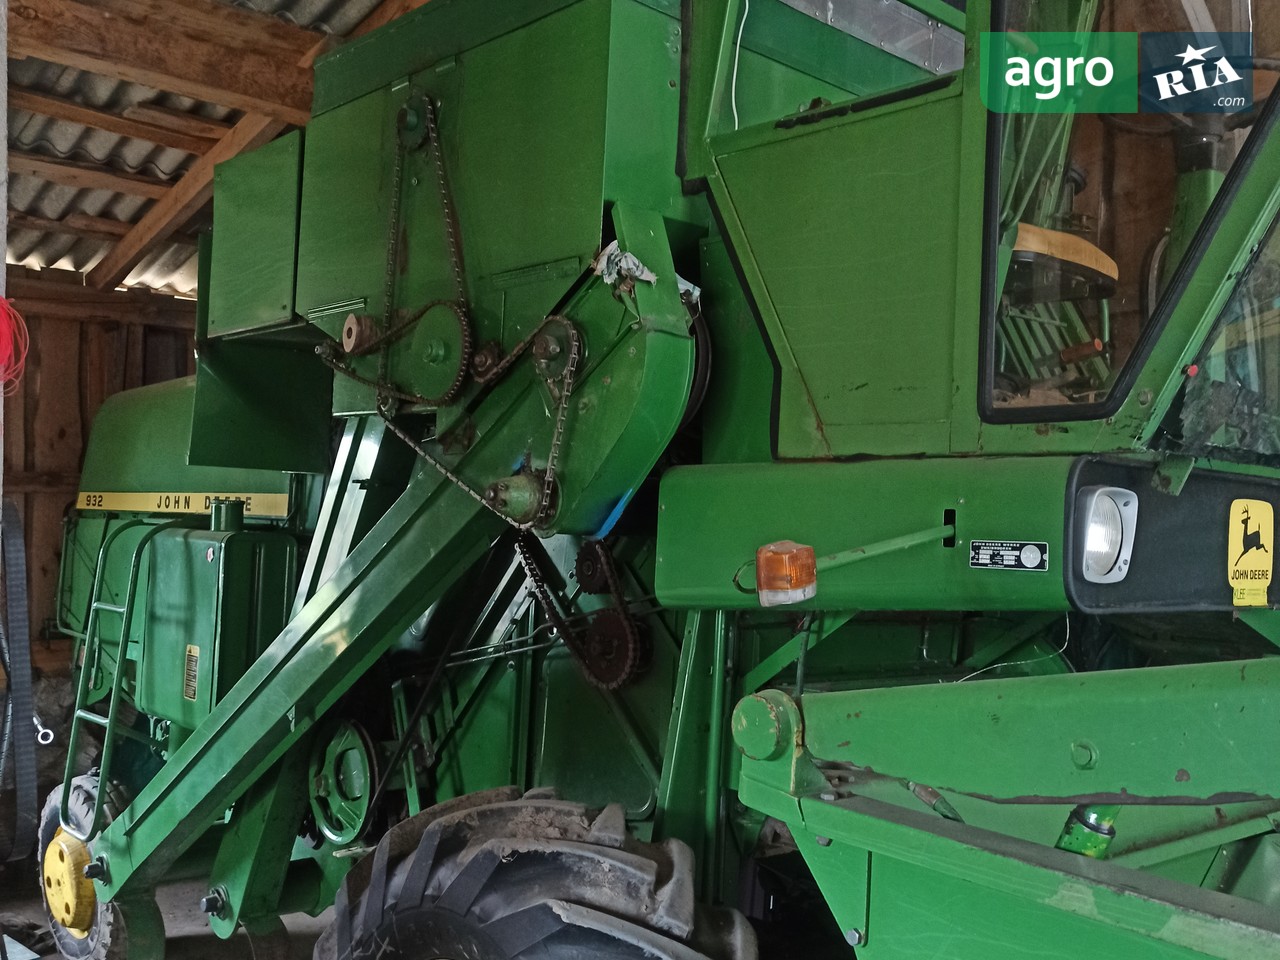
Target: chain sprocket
(612,651)
(423,108)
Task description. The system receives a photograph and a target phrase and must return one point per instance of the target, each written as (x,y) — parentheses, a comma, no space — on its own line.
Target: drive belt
(17,741)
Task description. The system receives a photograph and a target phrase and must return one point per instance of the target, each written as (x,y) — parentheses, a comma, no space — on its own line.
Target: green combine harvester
(687,481)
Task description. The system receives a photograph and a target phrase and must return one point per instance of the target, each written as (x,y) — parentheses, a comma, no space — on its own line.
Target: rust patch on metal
(1181,776)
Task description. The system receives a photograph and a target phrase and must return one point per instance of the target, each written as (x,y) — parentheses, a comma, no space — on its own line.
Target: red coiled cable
(14,342)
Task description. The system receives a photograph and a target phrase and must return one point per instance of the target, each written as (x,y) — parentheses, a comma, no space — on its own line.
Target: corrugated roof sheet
(170,266)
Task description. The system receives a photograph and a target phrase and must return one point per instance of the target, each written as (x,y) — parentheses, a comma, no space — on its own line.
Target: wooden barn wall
(72,367)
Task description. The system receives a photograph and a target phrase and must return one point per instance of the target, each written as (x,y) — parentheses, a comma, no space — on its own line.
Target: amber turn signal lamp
(786,572)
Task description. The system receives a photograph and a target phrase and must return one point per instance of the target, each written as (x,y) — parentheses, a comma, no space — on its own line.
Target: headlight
(1107,518)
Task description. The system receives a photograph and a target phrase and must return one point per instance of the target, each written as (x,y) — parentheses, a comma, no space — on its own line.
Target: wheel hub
(343,775)
(70,895)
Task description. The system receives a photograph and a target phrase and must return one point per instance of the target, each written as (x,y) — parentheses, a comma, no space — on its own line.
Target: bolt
(545,348)
(214,903)
(1084,755)
(823,841)
(96,869)
(854,938)
(435,351)
(1144,398)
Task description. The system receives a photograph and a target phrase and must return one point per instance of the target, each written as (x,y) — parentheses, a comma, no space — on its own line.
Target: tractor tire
(107,936)
(498,876)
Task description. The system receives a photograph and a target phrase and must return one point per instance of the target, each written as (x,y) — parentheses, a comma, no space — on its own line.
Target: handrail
(89,668)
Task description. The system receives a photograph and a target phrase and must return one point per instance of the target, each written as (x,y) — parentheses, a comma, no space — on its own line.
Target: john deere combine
(689,481)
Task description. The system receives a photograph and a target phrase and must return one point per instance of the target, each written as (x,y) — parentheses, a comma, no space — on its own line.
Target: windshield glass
(1231,408)
(1096,210)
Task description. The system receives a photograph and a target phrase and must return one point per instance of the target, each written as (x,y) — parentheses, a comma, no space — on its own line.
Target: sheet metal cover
(894,27)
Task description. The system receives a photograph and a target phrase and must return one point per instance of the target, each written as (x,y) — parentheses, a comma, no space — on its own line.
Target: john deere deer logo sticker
(1250,538)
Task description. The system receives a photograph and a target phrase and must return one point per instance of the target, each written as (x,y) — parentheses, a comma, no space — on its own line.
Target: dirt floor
(188,936)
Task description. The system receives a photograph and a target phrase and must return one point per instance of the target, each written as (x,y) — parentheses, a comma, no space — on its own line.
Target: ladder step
(90,717)
(109,607)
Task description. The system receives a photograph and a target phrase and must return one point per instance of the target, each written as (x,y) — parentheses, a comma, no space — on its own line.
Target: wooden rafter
(81,225)
(196,186)
(222,59)
(232,24)
(85,176)
(59,108)
(75,224)
(186,123)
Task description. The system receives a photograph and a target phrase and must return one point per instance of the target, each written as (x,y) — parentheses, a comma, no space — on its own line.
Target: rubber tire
(108,939)
(497,876)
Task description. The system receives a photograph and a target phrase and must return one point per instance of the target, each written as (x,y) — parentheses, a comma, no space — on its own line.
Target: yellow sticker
(255,504)
(1250,537)
(191,672)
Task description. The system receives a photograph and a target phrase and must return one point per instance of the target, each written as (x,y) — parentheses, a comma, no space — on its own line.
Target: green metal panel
(216,600)
(970,891)
(530,169)
(1162,735)
(414,41)
(342,244)
(242,418)
(255,239)
(122,458)
(827,254)
(737,413)
(713,518)
(643,113)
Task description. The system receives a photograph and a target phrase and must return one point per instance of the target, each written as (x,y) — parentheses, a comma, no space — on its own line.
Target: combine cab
(690,481)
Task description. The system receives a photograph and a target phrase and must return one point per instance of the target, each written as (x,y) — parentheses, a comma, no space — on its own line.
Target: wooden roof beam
(261,32)
(81,225)
(59,108)
(160,44)
(191,124)
(75,224)
(85,176)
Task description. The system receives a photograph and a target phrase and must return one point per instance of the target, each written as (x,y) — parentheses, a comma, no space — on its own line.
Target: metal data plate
(893,27)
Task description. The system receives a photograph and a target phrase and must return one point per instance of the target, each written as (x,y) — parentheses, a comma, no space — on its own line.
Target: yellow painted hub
(67,891)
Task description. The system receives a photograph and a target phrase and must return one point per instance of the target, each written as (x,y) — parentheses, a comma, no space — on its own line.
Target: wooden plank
(15,433)
(191,124)
(49,658)
(161,50)
(82,226)
(187,196)
(56,445)
(35,481)
(94,365)
(134,352)
(168,319)
(166,356)
(84,176)
(59,108)
(268,34)
(35,297)
(385,13)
